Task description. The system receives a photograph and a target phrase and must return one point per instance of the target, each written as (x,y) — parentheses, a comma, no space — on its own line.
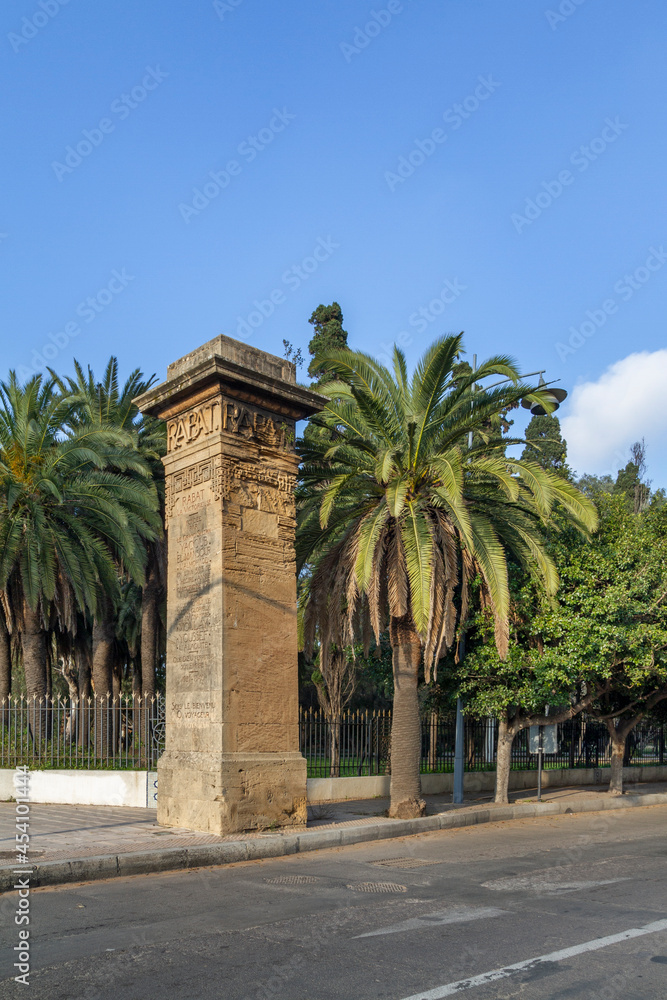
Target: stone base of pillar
(231,792)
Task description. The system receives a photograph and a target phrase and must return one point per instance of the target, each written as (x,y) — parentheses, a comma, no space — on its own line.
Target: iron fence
(356,743)
(90,733)
(127,732)
(359,743)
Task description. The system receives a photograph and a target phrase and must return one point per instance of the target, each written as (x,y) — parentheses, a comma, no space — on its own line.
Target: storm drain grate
(377,887)
(404,863)
(292,880)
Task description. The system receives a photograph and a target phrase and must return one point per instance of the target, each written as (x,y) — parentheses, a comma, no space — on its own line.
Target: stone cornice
(238,381)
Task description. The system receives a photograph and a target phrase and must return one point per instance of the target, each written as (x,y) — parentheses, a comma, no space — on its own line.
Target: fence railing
(91,733)
(127,732)
(359,744)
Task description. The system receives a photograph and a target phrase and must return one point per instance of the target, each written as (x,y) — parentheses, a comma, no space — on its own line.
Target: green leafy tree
(592,486)
(336,674)
(328,335)
(397,516)
(612,617)
(601,645)
(545,444)
(631,480)
(518,689)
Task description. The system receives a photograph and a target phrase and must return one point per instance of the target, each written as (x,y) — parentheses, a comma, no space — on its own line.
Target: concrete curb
(106,866)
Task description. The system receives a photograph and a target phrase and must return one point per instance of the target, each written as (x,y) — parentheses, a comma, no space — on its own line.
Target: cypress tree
(329,334)
(545,445)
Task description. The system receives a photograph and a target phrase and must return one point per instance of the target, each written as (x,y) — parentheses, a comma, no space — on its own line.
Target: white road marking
(440,992)
(540,883)
(454,915)
(568,878)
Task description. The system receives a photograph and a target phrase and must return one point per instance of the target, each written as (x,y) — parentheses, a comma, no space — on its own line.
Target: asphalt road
(552,896)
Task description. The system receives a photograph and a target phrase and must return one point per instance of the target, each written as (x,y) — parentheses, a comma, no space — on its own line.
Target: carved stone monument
(232,759)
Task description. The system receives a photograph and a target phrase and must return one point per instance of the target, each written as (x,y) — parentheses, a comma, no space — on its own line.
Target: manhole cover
(404,863)
(291,880)
(377,887)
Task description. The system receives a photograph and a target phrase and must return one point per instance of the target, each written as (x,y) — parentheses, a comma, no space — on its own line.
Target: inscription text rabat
(220,415)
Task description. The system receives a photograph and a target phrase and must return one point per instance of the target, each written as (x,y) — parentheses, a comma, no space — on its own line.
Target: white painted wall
(86,788)
(370,787)
(139,788)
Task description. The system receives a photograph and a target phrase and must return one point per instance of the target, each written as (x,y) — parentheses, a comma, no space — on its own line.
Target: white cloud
(627,402)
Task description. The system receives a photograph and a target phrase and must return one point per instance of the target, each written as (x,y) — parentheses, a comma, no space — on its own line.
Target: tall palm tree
(5,668)
(153,445)
(65,516)
(106,405)
(398,517)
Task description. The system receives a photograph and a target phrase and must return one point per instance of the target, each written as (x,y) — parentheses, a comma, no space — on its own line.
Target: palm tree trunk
(5,671)
(136,678)
(5,661)
(33,647)
(506,736)
(49,667)
(150,600)
(82,658)
(103,646)
(406,800)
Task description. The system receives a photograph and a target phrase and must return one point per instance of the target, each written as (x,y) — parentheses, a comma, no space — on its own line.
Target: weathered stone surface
(232,758)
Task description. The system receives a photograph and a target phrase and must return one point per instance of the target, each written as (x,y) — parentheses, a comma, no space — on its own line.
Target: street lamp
(548,395)
(554,397)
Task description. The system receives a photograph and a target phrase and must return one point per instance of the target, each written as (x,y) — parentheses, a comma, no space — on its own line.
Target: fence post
(457,796)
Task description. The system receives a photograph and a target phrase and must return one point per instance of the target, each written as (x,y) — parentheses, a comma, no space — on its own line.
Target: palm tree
(153,444)
(397,518)
(64,516)
(5,668)
(106,405)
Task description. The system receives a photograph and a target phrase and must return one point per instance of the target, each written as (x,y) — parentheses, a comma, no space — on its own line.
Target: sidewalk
(79,843)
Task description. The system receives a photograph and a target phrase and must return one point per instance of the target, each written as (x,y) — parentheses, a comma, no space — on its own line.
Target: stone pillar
(232,759)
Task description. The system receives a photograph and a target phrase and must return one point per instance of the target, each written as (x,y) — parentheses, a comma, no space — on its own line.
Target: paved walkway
(70,833)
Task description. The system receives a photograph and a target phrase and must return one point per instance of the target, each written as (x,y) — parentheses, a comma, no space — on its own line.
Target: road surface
(560,907)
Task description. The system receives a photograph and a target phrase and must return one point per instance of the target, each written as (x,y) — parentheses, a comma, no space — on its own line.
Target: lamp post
(549,395)
(554,397)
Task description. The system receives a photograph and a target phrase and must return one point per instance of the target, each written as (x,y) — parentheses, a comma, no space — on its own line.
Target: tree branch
(568,713)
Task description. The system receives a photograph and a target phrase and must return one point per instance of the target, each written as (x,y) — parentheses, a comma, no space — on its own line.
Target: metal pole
(540,754)
(457,797)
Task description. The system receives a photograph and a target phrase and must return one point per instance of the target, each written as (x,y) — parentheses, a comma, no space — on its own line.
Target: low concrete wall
(86,788)
(139,788)
(340,789)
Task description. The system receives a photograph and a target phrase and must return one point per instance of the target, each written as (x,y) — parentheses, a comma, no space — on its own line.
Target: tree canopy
(397,515)
(545,444)
(328,335)
(599,643)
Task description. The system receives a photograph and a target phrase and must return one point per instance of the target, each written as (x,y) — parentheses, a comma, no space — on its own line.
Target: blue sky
(499,167)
